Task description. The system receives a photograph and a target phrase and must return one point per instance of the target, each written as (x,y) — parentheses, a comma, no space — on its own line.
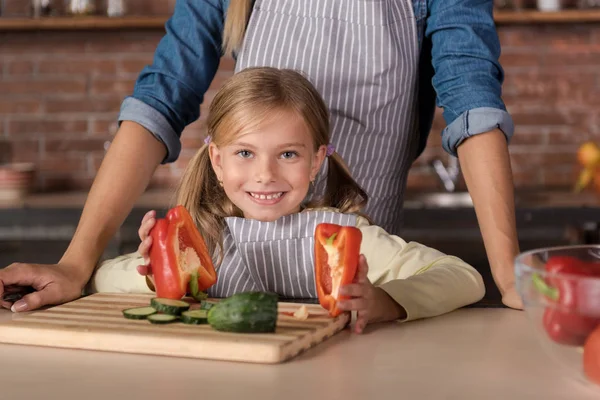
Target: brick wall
(60,93)
(22,8)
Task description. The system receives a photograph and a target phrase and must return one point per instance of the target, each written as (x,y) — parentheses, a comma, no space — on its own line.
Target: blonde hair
(236,20)
(245,101)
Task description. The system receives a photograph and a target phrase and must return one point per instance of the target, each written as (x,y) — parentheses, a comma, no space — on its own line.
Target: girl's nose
(266,171)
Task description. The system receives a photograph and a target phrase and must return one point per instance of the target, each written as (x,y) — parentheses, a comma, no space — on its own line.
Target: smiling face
(266,171)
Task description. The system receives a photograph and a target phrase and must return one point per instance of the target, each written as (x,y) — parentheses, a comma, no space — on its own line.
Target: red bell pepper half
(591,356)
(337,249)
(179,257)
(577,310)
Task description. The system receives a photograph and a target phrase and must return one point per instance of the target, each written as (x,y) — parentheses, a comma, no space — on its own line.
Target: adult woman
(372,60)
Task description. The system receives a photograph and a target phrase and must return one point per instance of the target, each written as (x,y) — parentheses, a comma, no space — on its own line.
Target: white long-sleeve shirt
(424,281)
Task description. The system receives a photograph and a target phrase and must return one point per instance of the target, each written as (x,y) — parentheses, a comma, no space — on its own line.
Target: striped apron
(362,56)
(273,256)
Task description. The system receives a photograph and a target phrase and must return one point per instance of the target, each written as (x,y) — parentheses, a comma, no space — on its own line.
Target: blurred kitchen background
(66,66)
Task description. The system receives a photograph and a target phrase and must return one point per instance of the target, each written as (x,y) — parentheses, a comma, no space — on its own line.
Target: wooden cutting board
(96,322)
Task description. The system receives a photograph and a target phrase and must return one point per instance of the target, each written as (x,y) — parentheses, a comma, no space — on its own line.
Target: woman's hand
(146,226)
(371,303)
(53,284)
(511,298)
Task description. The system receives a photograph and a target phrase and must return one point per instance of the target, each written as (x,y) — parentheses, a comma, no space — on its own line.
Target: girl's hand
(371,303)
(144,248)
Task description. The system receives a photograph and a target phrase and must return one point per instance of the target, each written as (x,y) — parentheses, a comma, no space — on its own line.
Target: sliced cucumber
(207,305)
(139,312)
(169,306)
(162,318)
(195,317)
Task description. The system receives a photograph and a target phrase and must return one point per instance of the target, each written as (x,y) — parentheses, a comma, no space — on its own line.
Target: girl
(247,190)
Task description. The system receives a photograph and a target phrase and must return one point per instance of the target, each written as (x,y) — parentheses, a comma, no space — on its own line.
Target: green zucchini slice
(169,306)
(195,317)
(139,312)
(162,318)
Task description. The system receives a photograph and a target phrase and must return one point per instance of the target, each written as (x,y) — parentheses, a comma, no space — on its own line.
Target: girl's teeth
(267,197)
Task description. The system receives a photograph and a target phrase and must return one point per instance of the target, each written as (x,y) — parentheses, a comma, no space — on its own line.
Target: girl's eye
(289,154)
(244,154)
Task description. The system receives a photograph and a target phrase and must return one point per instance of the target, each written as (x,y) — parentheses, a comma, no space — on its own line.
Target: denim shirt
(458,70)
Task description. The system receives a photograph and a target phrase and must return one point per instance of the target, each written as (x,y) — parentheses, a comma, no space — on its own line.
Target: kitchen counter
(162,198)
(76,200)
(468,354)
(54,216)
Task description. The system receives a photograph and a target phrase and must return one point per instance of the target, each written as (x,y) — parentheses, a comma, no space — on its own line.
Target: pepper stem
(329,241)
(195,289)
(540,284)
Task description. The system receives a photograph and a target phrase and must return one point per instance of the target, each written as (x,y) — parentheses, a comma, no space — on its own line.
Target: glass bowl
(560,288)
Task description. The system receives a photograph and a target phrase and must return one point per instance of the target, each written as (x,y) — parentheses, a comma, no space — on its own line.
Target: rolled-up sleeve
(168,93)
(468,76)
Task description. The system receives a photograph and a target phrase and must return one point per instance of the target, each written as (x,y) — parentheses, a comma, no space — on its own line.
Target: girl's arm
(119,275)
(424,281)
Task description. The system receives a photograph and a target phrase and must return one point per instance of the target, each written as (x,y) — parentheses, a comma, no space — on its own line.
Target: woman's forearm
(124,174)
(485,164)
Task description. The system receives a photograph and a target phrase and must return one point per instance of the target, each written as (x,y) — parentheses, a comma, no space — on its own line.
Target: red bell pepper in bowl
(337,249)
(560,288)
(576,311)
(179,257)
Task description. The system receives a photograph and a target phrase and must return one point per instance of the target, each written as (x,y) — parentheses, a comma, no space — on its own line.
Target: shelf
(81,23)
(538,17)
(157,22)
